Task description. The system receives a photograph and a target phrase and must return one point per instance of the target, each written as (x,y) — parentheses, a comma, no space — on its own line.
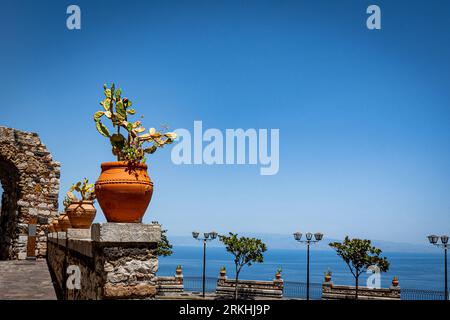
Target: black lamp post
(444,244)
(309,239)
(207,236)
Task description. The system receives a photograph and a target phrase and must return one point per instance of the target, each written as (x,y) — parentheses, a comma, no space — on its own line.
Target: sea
(414,270)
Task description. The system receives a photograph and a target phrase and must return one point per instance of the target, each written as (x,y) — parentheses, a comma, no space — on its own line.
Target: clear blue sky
(364,116)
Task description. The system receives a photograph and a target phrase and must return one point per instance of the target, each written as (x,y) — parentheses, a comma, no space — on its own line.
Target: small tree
(246,251)
(164,247)
(359,254)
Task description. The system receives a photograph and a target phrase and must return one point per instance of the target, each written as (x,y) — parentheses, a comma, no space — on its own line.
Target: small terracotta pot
(81,214)
(223,273)
(327,278)
(277,275)
(123,191)
(50,228)
(56,226)
(395,283)
(64,222)
(178,271)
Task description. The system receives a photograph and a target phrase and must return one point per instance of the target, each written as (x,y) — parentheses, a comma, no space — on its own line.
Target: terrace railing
(418,294)
(297,290)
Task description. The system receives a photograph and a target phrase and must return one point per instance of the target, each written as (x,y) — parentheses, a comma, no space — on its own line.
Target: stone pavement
(25,280)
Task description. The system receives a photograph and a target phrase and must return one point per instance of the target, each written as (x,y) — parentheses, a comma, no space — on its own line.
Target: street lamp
(434,239)
(309,239)
(207,236)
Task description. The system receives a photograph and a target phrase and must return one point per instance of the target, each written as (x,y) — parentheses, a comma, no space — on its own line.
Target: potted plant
(278,274)
(81,211)
(50,227)
(124,189)
(56,226)
(178,270)
(328,274)
(64,222)
(223,271)
(395,281)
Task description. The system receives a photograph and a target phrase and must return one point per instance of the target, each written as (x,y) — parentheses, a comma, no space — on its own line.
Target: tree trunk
(356,287)
(236,285)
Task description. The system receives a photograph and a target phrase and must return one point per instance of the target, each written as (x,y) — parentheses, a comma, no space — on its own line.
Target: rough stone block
(78,233)
(141,290)
(22,255)
(62,238)
(61,235)
(126,233)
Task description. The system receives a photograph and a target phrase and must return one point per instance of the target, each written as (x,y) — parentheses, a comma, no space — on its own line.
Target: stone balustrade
(250,289)
(109,261)
(339,292)
(170,286)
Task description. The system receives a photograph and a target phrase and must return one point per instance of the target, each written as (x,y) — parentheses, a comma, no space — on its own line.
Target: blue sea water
(414,270)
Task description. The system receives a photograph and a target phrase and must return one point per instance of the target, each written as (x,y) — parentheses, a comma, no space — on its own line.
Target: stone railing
(332,292)
(250,289)
(109,261)
(170,286)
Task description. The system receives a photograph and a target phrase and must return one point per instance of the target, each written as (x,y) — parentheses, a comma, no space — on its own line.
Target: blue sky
(364,116)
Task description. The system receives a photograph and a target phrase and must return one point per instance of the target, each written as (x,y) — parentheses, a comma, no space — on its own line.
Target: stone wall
(30,179)
(111,261)
(333,292)
(250,289)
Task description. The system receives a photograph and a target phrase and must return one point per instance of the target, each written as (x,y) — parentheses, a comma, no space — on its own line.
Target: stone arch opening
(9,178)
(29,202)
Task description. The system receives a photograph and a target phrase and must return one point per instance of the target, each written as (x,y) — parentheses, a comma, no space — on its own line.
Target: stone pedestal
(78,233)
(115,261)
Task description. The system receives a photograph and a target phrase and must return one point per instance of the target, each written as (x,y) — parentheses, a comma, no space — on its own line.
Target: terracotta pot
(178,271)
(123,191)
(56,225)
(223,273)
(277,275)
(81,214)
(50,227)
(327,278)
(395,283)
(64,222)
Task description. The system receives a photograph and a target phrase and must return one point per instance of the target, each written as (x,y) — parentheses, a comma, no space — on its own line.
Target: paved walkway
(25,280)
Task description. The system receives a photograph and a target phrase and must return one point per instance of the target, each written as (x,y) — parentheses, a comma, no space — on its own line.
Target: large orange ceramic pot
(81,214)
(64,222)
(124,191)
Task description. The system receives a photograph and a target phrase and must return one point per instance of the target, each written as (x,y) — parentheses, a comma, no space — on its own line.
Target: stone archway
(30,181)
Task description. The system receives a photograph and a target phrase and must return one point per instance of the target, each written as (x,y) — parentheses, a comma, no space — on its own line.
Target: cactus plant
(85,189)
(136,143)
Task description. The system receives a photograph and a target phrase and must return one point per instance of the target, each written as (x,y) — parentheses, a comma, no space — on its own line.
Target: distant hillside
(285,241)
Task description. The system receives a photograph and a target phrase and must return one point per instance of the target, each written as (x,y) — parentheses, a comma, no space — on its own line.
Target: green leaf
(129,104)
(131,111)
(150,150)
(117,140)
(71,196)
(129,127)
(98,115)
(118,93)
(108,93)
(121,109)
(106,104)
(102,129)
